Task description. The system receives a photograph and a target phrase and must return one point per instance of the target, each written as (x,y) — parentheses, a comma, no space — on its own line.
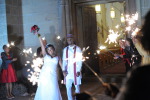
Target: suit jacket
(5,60)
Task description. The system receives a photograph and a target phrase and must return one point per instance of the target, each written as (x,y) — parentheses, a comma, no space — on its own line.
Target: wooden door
(90,36)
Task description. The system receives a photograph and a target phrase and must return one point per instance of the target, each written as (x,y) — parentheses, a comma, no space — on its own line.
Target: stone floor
(94,86)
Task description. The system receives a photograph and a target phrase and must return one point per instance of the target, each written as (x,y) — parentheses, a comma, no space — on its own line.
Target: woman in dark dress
(135,56)
(7,74)
(125,55)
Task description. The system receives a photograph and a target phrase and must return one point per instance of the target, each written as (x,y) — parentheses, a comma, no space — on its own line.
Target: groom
(72,63)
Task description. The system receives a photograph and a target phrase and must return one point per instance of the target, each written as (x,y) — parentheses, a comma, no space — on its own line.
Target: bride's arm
(42,45)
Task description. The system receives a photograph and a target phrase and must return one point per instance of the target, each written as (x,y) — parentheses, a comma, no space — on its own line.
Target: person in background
(137,84)
(7,74)
(39,52)
(135,56)
(125,55)
(145,55)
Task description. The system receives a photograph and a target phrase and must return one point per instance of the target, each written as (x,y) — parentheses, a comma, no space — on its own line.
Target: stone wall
(3,24)
(45,14)
(14,21)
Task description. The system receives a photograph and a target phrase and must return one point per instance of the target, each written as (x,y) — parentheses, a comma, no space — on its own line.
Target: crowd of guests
(135,53)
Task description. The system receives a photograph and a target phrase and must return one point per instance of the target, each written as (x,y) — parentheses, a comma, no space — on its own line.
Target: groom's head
(70,39)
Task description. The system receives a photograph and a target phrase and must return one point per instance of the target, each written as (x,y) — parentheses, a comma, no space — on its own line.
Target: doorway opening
(93,23)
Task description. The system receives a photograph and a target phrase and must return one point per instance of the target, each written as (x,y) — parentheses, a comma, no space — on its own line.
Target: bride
(48,88)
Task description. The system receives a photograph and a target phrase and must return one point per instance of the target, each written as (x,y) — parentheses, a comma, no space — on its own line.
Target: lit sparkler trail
(102,47)
(8,45)
(34,75)
(131,20)
(58,37)
(36,64)
(99,77)
(12,44)
(134,33)
(112,37)
(27,51)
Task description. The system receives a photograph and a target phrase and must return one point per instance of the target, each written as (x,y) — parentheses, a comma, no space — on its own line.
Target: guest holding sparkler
(7,74)
(137,84)
(135,56)
(125,55)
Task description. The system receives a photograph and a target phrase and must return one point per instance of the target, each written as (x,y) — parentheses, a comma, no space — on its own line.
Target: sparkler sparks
(131,20)
(102,47)
(135,32)
(112,37)
(12,44)
(35,54)
(8,45)
(58,37)
(117,26)
(34,75)
(98,51)
(27,51)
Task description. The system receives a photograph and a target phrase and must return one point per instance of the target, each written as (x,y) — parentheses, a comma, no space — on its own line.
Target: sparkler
(102,47)
(34,75)
(58,37)
(8,45)
(134,33)
(131,20)
(112,37)
(27,51)
(12,44)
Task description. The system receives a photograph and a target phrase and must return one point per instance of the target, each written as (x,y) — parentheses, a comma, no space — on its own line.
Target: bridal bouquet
(35,29)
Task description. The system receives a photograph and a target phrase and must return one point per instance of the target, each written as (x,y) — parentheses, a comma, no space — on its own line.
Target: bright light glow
(112,13)
(43,38)
(122,18)
(97,8)
(8,45)
(27,51)
(98,51)
(117,26)
(58,37)
(27,62)
(12,44)
(35,54)
(102,47)
(134,33)
(128,28)
(112,37)
(34,75)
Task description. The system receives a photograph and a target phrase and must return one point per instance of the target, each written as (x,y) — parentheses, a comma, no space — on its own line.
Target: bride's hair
(50,45)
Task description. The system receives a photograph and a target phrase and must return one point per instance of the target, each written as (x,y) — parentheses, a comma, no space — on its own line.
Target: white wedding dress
(48,88)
